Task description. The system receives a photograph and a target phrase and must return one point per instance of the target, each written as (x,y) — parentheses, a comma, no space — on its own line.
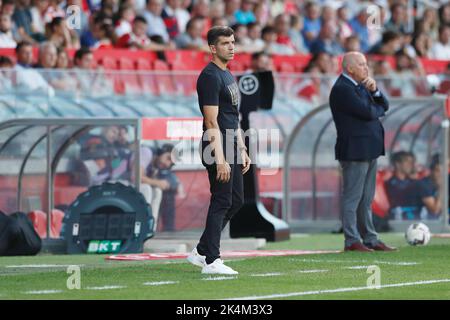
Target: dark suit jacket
(356,113)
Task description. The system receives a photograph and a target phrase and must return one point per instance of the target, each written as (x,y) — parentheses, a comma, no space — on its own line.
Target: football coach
(357,105)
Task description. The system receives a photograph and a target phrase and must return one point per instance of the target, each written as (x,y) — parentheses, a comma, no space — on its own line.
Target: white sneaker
(196,259)
(217,267)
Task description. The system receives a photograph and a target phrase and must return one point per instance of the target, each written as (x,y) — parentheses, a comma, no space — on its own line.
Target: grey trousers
(358,191)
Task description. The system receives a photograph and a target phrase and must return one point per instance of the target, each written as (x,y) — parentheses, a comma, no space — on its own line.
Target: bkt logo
(104,246)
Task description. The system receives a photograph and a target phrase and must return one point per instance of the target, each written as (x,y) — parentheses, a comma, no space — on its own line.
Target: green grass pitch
(403,275)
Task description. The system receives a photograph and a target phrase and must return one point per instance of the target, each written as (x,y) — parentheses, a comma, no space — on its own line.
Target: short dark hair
(22,44)
(442,27)
(435,161)
(256,55)
(191,22)
(140,19)
(389,36)
(5,61)
(80,53)
(267,29)
(215,32)
(401,156)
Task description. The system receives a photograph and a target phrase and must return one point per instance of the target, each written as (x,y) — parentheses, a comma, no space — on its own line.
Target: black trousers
(226,200)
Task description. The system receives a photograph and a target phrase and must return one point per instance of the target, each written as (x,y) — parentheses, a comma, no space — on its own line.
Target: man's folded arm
(351,103)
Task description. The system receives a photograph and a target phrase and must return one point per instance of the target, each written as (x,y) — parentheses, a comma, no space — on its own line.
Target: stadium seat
(162,82)
(286,67)
(186,59)
(57,218)
(108,63)
(380,204)
(39,220)
(143,64)
(128,79)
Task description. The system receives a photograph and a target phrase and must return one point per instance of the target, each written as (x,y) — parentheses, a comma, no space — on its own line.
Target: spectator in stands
(201,9)
(245,14)
(269,35)
(343,25)
(326,41)
(217,10)
(260,62)
(409,77)
(6,35)
(231,7)
(160,175)
(312,22)
(444,14)
(175,17)
(282,24)
(407,196)
(47,56)
(422,44)
(359,27)
(382,73)
(108,8)
(352,43)
(88,81)
(90,38)
(6,66)
(390,43)
(123,20)
(156,25)
(254,37)
(192,39)
(61,36)
(399,19)
(22,19)
(242,41)
(220,22)
(309,87)
(295,34)
(38,11)
(429,23)
(138,38)
(27,78)
(430,188)
(401,189)
(8,7)
(441,48)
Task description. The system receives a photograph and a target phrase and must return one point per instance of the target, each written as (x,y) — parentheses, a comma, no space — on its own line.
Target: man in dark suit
(357,105)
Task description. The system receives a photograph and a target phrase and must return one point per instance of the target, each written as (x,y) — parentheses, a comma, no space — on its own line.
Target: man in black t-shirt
(408,196)
(223,150)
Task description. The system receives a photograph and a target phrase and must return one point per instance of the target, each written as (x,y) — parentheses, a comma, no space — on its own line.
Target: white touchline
(315,292)
(43,291)
(267,274)
(40,266)
(105,288)
(159,283)
(219,278)
(313,271)
(356,267)
(393,263)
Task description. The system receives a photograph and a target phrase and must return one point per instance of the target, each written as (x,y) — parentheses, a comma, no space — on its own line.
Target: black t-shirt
(407,194)
(217,87)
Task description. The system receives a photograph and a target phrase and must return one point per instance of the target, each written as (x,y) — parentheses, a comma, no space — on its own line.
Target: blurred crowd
(401,29)
(276,26)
